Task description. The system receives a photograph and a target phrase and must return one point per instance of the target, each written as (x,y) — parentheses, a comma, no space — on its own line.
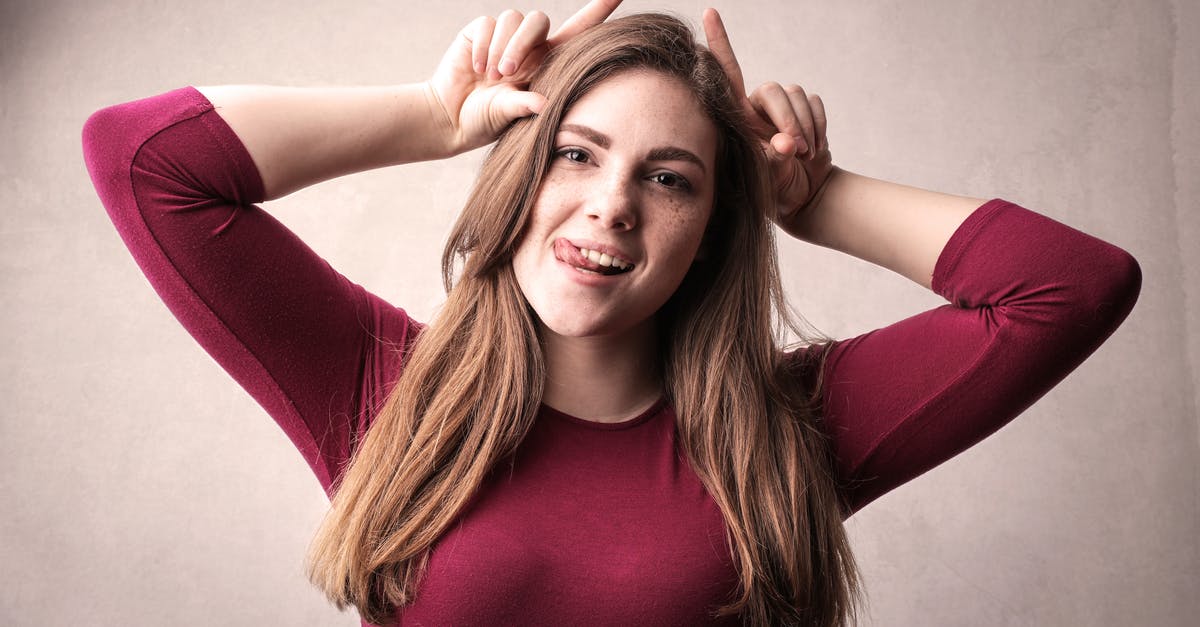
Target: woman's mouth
(588,260)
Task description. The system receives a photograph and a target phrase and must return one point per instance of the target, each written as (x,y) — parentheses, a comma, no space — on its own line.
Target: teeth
(604,259)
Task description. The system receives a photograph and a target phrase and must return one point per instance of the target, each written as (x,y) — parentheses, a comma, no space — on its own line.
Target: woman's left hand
(790,125)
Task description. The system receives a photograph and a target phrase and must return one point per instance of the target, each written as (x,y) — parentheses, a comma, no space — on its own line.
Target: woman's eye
(573,154)
(671,180)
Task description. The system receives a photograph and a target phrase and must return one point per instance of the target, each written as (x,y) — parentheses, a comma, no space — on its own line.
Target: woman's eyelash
(674,181)
(572,154)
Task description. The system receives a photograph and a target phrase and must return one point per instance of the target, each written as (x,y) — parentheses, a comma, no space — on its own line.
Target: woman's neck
(603,379)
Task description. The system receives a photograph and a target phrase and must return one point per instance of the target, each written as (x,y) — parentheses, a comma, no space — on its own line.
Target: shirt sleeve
(1030,299)
(315,350)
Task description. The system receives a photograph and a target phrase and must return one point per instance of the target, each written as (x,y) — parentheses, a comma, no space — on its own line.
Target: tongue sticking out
(568,253)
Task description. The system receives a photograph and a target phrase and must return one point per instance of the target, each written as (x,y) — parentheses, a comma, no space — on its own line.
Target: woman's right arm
(180,175)
(180,188)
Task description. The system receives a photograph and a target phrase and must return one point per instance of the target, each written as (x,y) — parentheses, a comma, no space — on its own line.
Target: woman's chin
(582,328)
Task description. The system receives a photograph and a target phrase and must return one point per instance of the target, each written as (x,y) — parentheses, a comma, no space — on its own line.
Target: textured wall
(141,486)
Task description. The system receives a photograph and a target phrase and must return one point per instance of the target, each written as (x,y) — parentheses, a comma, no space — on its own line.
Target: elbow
(111,141)
(103,145)
(1121,284)
(1105,292)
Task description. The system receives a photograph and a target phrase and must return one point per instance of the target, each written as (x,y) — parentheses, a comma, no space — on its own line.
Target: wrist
(803,222)
(818,196)
(441,136)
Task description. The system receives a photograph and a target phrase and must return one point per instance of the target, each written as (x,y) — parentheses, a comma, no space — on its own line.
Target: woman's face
(622,209)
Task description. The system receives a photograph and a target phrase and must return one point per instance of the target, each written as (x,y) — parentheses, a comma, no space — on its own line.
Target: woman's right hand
(479,86)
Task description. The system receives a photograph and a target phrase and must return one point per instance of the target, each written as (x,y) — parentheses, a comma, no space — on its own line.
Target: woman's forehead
(643,106)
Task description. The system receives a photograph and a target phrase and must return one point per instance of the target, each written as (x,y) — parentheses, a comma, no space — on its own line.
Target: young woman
(600,427)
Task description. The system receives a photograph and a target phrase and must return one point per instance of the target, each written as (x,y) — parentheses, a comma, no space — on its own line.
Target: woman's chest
(583,528)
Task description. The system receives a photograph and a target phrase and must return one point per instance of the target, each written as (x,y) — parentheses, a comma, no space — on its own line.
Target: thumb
(781,147)
(781,151)
(511,105)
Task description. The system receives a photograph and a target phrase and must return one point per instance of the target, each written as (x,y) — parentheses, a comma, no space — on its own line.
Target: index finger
(590,15)
(718,43)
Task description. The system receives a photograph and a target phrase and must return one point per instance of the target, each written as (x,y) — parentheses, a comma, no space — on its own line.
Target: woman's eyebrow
(665,153)
(592,135)
(672,153)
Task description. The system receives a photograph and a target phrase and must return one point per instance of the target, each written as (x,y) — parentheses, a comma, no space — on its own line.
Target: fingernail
(480,67)
(507,66)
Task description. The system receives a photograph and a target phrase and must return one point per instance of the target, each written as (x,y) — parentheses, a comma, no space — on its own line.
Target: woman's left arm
(1030,299)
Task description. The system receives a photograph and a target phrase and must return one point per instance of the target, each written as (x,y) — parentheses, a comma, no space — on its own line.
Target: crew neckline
(641,418)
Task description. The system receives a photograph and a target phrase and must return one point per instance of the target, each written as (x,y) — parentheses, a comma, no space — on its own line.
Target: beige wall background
(140,486)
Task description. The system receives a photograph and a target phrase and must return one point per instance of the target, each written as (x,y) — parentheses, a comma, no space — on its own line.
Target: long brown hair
(746,419)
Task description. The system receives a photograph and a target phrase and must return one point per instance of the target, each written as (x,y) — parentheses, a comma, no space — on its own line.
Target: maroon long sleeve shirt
(599,524)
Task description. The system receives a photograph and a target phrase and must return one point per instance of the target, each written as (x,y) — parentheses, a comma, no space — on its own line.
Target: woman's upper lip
(606,249)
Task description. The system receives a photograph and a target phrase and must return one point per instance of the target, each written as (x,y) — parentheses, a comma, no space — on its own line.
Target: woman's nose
(615,204)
